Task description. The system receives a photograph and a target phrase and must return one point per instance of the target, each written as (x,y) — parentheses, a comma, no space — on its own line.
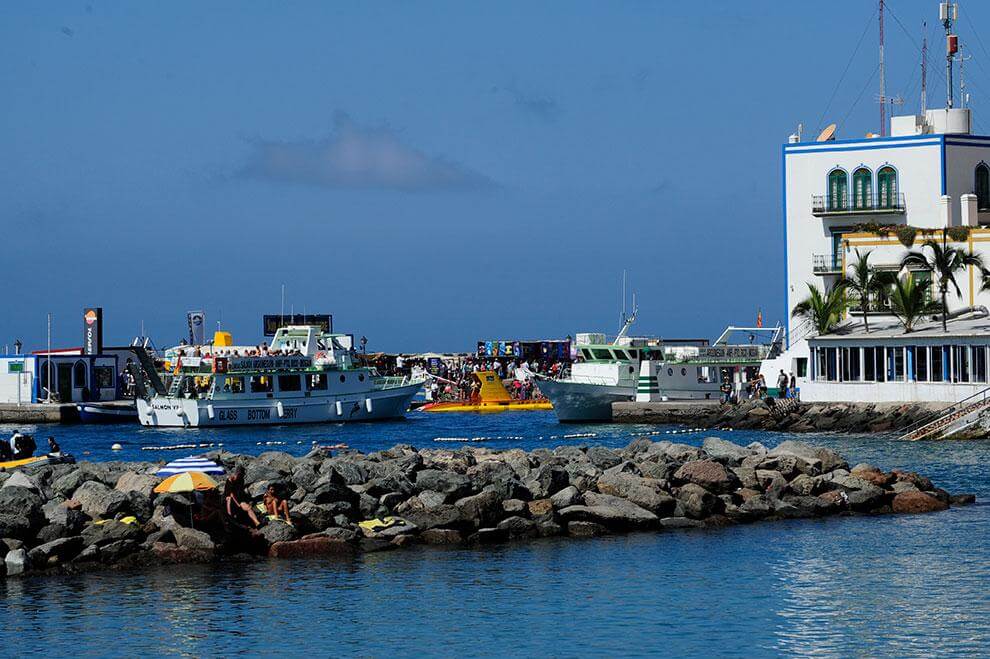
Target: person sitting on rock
(274,505)
(235,498)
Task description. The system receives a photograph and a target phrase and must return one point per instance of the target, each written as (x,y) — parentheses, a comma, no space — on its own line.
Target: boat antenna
(48,360)
(622,316)
(281,311)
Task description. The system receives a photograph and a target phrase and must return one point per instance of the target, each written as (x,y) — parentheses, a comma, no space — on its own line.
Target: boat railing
(392,381)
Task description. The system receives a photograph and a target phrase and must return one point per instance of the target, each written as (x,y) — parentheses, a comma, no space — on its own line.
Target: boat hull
(104,413)
(488,407)
(167,412)
(578,401)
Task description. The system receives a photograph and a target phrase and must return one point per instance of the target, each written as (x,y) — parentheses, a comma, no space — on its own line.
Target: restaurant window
(234,385)
(896,359)
(920,365)
(852,365)
(103,377)
(869,364)
(289,383)
(831,371)
(316,382)
(820,365)
(979,365)
(960,358)
(937,370)
(261,384)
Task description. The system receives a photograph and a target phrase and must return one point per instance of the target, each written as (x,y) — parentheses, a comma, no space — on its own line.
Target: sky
(431,174)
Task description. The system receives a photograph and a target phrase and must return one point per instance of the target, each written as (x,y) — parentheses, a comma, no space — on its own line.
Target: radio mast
(883,98)
(924,67)
(947,12)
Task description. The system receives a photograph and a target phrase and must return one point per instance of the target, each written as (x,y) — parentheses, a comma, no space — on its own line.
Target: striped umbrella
(187,481)
(192,463)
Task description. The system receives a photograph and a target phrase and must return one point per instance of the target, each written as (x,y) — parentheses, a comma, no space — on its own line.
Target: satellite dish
(828,134)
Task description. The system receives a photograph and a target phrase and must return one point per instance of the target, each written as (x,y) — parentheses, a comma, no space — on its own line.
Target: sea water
(907,585)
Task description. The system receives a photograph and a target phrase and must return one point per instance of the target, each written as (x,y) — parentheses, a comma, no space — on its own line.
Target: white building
(841,196)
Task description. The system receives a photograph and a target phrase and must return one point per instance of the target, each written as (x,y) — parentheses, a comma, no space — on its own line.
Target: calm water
(891,586)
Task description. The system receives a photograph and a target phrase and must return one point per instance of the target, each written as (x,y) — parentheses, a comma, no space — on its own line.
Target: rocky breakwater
(77,517)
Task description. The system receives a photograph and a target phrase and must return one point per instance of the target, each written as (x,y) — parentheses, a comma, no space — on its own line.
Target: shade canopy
(192,463)
(187,481)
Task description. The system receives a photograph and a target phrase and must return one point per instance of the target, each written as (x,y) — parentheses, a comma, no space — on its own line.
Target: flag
(759,318)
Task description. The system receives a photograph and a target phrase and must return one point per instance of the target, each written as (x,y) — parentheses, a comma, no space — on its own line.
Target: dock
(38,413)
(673,411)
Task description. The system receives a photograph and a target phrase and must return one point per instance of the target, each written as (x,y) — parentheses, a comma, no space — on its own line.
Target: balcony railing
(882,204)
(826,264)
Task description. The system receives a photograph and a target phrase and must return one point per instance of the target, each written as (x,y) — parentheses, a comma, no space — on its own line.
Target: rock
(803,484)
(771,482)
(346,471)
(312,516)
(257,470)
(20,479)
(917,502)
(328,492)
(698,502)
(489,536)
(579,529)
(610,511)
(22,502)
(431,499)
(569,496)
(725,452)
(454,486)
(548,481)
(140,505)
(393,482)
(709,474)
(192,539)
(514,507)
(867,499)
(16,562)
(441,537)
(510,488)
(872,474)
(444,516)
(756,507)
(340,533)
(540,507)
(16,527)
(392,531)
(110,531)
(99,501)
(51,532)
(747,476)
(547,527)
(903,486)
(133,482)
(481,510)
(173,554)
(680,523)
(833,500)
(962,499)
(56,551)
(679,453)
(518,527)
(274,532)
(917,480)
(603,458)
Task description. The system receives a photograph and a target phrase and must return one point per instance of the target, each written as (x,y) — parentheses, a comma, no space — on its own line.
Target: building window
(979,365)
(79,374)
(983,186)
(895,364)
(831,370)
(802,367)
(920,365)
(862,189)
(937,370)
(887,188)
(838,190)
(103,376)
(960,359)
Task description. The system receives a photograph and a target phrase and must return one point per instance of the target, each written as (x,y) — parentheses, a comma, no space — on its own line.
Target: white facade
(17,379)
(917,177)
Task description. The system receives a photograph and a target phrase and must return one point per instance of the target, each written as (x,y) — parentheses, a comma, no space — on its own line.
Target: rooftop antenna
(924,67)
(947,12)
(963,96)
(882,99)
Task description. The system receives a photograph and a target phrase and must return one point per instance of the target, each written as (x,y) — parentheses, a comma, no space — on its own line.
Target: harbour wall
(787,415)
(80,517)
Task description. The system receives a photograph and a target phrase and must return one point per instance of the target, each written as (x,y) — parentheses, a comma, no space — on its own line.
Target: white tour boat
(307,376)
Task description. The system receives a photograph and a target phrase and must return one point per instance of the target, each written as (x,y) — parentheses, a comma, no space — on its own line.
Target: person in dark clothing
(235,498)
(53,447)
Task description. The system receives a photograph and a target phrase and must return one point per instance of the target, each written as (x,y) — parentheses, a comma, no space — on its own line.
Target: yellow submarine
(492,397)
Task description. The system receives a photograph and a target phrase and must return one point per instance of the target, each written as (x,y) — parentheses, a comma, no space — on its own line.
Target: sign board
(268,363)
(737,353)
(273,322)
(93,331)
(196,320)
(15,367)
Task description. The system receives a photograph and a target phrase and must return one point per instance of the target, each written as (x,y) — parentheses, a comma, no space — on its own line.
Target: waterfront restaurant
(891,365)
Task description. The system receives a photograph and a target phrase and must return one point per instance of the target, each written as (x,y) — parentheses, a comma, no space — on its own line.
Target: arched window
(887,188)
(982,186)
(838,190)
(79,374)
(862,189)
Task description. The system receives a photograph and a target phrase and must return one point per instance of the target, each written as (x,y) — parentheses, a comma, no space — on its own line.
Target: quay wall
(30,413)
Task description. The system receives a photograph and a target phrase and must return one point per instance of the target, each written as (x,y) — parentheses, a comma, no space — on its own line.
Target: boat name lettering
(269,363)
(165,405)
(727,352)
(259,415)
(227,415)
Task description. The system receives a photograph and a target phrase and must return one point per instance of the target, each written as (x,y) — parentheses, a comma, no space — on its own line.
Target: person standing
(793,389)
(782,382)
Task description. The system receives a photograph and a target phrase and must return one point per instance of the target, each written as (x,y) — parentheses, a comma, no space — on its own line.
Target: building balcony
(826,264)
(829,206)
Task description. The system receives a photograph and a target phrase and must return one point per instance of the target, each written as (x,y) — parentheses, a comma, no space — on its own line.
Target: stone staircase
(953,420)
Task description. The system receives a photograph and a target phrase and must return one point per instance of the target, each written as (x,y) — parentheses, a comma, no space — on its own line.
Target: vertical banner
(196,320)
(93,331)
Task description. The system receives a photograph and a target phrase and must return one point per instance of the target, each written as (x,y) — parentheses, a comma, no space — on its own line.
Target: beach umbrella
(192,463)
(187,481)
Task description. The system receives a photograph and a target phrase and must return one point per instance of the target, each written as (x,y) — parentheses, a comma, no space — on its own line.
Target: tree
(944,262)
(908,300)
(865,282)
(823,309)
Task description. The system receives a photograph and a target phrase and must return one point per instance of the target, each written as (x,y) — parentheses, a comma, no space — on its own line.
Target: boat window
(602,354)
(620,356)
(634,355)
(586,353)
(234,385)
(289,383)
(317,382)
(261,384)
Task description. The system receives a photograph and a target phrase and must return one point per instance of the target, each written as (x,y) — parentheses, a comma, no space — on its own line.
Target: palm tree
(908,300)
(945,262)
(866,282)
(823,309)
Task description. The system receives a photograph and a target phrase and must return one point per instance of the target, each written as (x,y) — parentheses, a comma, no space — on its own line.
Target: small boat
(37,461)
(108,412)
(492,397)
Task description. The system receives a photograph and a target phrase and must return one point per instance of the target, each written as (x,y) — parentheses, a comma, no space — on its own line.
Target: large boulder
(348,472)
(318,545)
(192,538)
(646,493)
(610,511)
(24,503)
(312,516)
(20,479)
(726,452)
(569,496)
(56,551)
(451,484)
(481,510)
(817,457)
(872,474)
(329,492)
(110,531)
(603,458)
(917,502)
(709,474)
(279,532)
(99,501)
(698,502)
(443,516)
(547,480)
(16,562)
(133,482)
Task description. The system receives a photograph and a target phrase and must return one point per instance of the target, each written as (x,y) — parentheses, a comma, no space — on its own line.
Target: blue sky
(430,173)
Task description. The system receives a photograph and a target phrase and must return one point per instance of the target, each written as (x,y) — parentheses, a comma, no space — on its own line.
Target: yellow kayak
(37,461)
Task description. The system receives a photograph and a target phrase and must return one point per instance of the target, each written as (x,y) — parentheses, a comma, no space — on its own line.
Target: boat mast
(883,98)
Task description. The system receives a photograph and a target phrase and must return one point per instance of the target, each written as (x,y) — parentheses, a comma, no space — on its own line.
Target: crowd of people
(757,388)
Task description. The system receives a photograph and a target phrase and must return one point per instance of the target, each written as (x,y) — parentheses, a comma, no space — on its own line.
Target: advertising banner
(93,330)
(197,327)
